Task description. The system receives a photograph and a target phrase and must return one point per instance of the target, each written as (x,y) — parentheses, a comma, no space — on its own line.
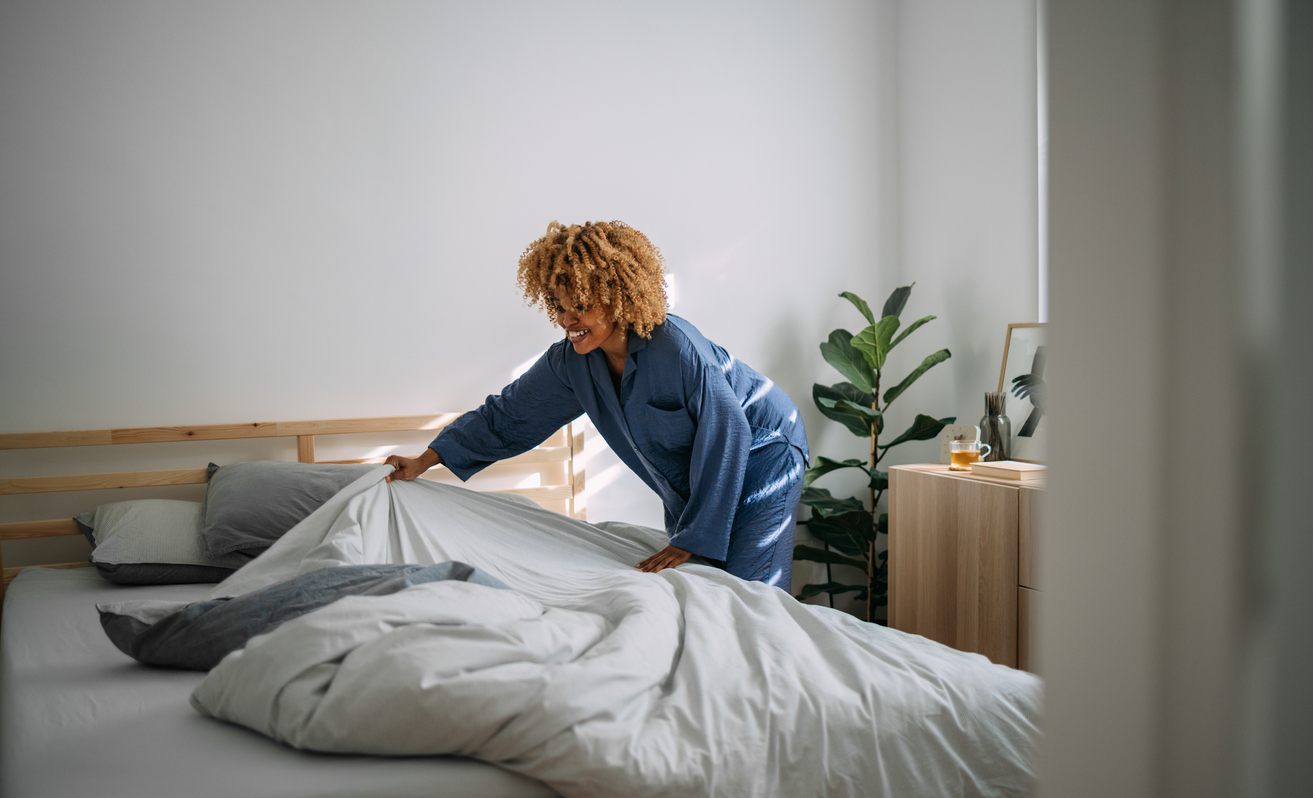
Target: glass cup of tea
(961,454)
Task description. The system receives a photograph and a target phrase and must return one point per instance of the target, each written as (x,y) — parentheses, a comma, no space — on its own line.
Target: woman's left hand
(668,557)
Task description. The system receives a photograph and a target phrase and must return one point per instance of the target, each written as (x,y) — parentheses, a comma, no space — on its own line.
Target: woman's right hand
(407,468)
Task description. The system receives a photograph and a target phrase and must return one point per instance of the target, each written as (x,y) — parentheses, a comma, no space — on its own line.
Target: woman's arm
(717,463)
(410,467)
(522,416)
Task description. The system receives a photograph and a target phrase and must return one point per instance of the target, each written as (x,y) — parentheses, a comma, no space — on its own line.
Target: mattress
(77,717)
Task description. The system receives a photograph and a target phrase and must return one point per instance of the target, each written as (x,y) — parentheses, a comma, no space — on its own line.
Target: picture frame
(1022,378)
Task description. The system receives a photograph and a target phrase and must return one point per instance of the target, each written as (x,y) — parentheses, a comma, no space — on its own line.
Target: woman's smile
(587,328)
(584,332)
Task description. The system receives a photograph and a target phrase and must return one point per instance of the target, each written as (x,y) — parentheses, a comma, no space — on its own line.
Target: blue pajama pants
(761,539)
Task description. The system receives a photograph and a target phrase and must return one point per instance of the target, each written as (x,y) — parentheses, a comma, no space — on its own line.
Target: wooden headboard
(559,458)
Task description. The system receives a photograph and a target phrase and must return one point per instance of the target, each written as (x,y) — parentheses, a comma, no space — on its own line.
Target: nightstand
(961,552)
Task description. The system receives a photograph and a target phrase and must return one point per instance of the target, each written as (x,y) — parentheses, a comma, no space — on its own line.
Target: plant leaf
(879,479)
(864,342)
(884,333)
(893,306)
(846,390)
(873,342)
(930,361)
(910,329)
(821,555)
(843,523)
(834,588)
(882,525)
(825,465)
(861,305)
(850,408)
(836,537)
(851,363)
(857,528)
(820,499)
(923,429)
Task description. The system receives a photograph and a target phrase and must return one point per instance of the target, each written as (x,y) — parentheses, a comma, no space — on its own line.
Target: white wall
(218,212)
(967,199)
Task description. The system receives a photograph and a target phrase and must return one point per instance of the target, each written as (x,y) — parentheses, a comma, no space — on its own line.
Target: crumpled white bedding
(601,680)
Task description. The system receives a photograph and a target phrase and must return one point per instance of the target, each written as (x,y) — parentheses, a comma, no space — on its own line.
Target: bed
(569,670)
(78,717)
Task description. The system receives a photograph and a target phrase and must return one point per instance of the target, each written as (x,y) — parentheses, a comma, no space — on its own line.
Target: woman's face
(586,328)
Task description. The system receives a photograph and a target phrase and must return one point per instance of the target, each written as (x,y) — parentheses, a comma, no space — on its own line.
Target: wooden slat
(349,426)
(129,479)
(305,448)
(200,432)
(578,506)
(39,440)
(544,454)
(10,573)
(213,432)
(39,529)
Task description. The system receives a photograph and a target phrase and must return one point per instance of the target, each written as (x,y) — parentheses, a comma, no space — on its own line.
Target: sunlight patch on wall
(525,366)
(595,484)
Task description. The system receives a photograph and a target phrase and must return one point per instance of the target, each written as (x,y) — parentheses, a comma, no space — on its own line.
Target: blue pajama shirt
(722,446)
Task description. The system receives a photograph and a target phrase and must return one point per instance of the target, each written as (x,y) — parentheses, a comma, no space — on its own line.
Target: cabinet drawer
(1027,534)
(953,561)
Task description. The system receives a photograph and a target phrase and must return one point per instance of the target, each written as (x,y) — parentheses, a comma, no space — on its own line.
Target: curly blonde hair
(606,264)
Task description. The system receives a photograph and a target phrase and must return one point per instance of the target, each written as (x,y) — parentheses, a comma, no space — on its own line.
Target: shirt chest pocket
(664,430)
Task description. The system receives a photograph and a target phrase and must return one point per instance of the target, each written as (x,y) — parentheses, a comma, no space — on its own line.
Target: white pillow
(153,541)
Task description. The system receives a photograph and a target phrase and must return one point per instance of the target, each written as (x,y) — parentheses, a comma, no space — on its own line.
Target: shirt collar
(637,343)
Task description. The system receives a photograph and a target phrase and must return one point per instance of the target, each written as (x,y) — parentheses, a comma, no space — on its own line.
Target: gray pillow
(248,506)
(152,542)
(196,636)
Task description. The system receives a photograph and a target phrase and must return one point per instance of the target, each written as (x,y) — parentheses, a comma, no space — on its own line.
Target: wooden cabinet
(961,552)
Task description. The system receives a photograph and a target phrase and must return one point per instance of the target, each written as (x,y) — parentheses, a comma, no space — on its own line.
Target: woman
(721,445)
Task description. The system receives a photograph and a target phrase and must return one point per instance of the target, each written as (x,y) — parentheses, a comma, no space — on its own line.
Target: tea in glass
(961,454)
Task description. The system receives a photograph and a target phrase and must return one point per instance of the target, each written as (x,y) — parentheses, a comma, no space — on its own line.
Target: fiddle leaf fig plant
(850,527)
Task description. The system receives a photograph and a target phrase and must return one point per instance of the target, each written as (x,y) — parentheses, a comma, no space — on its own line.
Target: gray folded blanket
(197,636)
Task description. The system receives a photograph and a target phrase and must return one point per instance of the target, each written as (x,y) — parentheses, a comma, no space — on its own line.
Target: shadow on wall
(971,366)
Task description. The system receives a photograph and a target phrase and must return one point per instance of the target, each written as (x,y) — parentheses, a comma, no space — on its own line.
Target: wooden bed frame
(564,448)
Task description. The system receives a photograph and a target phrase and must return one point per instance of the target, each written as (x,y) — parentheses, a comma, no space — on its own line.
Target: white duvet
(604,681)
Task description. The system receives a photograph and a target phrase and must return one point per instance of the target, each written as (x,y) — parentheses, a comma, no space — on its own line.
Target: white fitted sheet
(78,717)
